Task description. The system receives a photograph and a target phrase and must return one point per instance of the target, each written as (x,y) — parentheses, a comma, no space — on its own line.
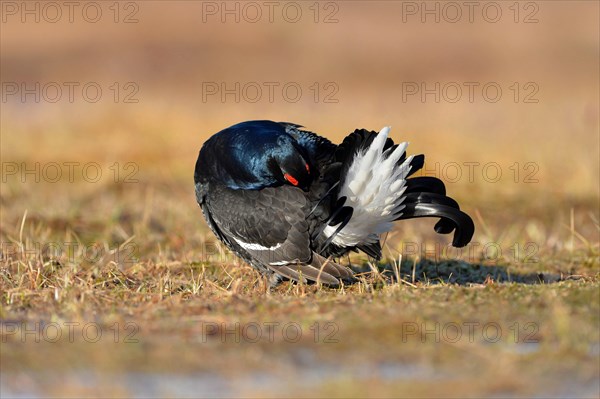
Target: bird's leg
(274,280)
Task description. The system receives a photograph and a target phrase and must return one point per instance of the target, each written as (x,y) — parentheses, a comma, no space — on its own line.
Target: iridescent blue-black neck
(250,156)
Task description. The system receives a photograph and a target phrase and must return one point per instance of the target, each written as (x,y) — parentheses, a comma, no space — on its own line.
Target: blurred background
(177,55)
(105,106)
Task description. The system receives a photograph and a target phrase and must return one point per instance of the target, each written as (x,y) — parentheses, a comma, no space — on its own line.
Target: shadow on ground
(458,272)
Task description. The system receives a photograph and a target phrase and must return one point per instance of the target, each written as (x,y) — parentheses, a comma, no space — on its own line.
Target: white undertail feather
(374,188)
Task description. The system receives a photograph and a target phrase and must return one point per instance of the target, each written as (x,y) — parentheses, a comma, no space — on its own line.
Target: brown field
(112,285)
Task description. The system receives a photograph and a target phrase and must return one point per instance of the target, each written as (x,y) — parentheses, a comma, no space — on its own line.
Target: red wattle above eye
(291,179)
(307,168)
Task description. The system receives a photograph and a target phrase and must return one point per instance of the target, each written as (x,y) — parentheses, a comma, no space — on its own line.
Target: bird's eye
(291,179)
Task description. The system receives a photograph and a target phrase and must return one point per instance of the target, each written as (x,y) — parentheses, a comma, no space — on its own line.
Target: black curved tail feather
(426,197)
(430,198)
(451,217)
(428,184)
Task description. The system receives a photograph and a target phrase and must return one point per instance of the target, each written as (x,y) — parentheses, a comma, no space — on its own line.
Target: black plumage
(287,201)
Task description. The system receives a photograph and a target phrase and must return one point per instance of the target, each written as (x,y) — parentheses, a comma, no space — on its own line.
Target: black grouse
(288,201)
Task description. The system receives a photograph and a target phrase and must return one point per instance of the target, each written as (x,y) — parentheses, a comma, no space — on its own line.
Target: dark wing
(201,197)
(269,226)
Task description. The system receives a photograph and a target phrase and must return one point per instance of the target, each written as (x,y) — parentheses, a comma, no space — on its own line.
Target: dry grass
(168,301)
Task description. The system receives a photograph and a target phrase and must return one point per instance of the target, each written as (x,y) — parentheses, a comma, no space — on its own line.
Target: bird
(290,202)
